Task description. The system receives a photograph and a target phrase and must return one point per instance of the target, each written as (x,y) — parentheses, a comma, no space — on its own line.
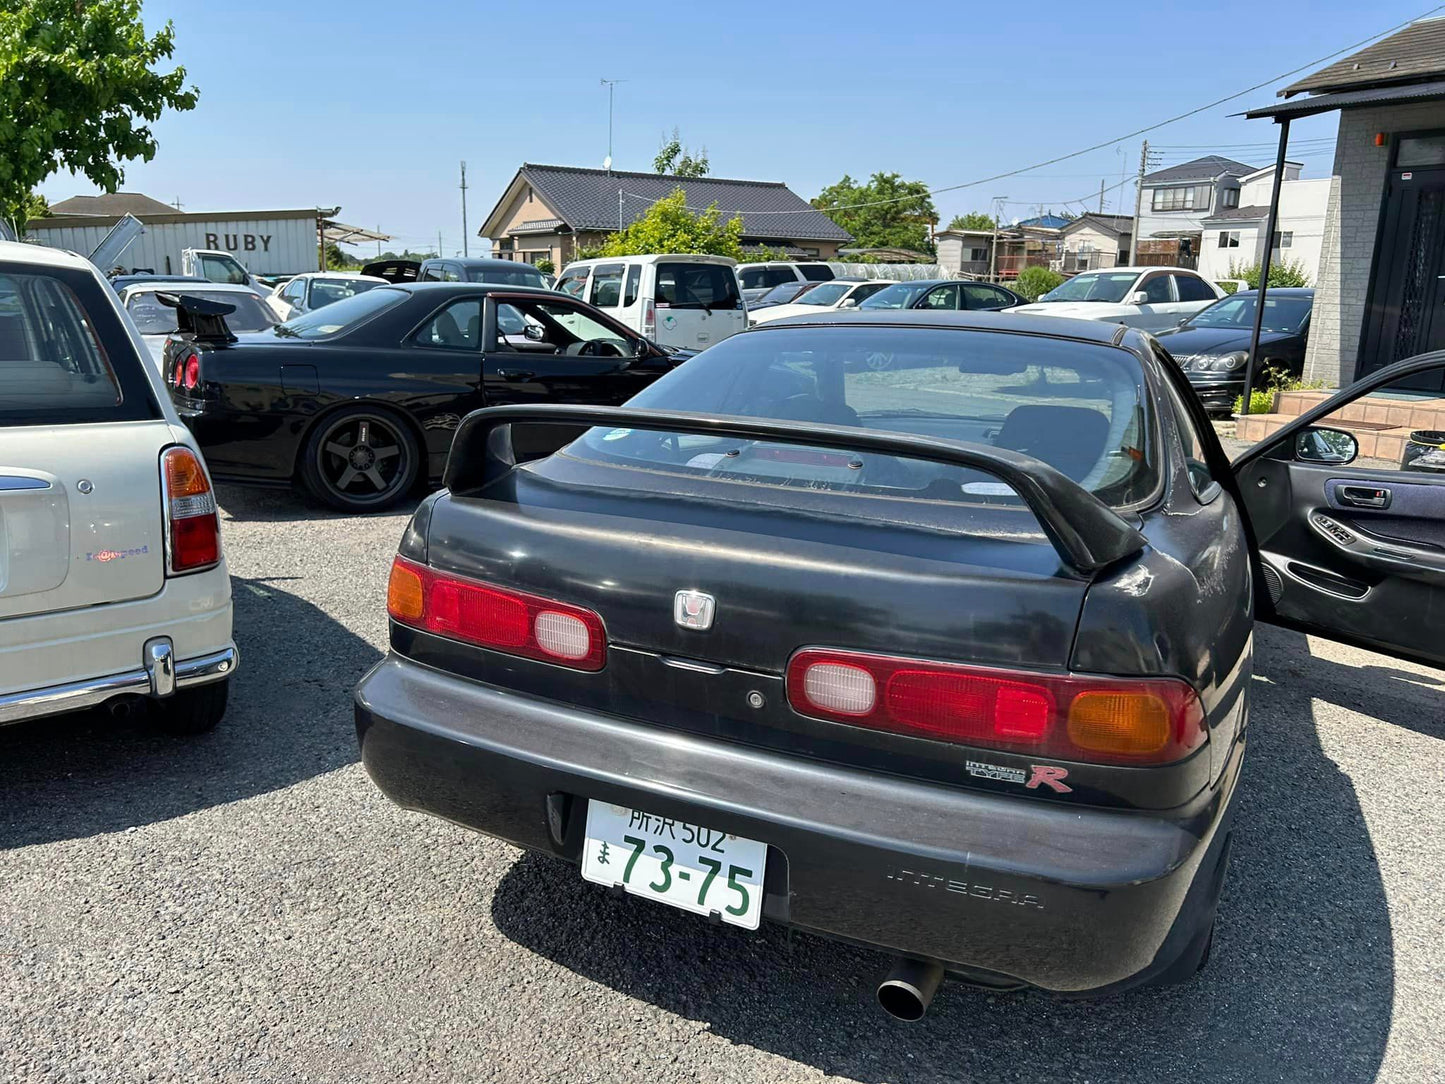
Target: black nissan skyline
(1212,346)
(951,658)
(358,401)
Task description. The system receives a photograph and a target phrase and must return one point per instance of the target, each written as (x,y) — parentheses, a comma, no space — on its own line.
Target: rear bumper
(158,676)
(1065,898)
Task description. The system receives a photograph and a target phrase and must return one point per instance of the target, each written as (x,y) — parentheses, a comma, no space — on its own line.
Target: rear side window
(64,355)
(518,275)
(634,282)
(816,272)
(1192,289)
(696,286)
(606,285)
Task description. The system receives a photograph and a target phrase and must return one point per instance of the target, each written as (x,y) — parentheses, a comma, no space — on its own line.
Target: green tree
(337,259)
(674,158)
(887,212)
(1034,282)
(974,220)
(546,266)
(78,91)
(669,226)
(1281,273)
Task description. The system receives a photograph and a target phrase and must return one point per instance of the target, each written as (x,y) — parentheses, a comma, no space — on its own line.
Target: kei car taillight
(513,622)
(1070,716)
(193,530)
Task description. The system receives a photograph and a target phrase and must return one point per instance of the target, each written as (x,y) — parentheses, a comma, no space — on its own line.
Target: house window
(1231,197)
(1283,238)
(977,255)
(1194,197)
(1228,238)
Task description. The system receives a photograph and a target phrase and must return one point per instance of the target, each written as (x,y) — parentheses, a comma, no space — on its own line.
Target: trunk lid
(81,520)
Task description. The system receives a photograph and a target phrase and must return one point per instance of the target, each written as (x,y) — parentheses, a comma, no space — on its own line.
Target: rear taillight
(499,618)
(187,373)
(193,530)
(1070,716)
(649,319)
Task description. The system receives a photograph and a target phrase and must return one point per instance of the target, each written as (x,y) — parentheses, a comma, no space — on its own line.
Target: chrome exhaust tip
(909,988)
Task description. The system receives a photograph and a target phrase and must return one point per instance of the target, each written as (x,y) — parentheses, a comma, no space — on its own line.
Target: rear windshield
(755,278)
(153,318)
(900,295)
(342,316)
(64,354)
(1077,406)
(697,286)
(815,272)
(522,274)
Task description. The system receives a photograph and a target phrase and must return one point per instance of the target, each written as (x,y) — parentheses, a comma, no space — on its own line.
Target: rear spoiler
(199,317)
(1085,532)
(393,270)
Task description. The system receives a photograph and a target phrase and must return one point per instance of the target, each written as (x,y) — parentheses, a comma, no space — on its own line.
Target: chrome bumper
(158,676)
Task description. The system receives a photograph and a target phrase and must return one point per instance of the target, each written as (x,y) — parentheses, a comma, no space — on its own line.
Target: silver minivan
(676,300)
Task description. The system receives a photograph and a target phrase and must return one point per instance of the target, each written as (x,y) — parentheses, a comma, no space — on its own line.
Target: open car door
(1346,506)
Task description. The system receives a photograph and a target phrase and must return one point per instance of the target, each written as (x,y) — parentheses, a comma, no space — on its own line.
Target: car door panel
(1354,551)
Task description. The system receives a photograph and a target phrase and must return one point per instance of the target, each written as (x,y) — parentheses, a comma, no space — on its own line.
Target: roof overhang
(341,233)
(1349,99)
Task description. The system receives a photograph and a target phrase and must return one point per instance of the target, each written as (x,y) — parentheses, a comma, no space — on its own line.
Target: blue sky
(371,105)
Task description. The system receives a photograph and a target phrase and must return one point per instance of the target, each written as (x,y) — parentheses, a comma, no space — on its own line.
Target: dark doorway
(1407,306)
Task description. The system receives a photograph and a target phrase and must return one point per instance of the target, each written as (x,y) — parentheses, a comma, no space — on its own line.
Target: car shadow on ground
(282,504)
(1299,988)
(289,718)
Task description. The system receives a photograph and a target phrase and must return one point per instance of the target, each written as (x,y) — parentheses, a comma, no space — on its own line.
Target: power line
(1087,150)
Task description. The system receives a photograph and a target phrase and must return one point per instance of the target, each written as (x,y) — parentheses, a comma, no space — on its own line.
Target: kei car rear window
(696,286)
(1080,407)
(64,354)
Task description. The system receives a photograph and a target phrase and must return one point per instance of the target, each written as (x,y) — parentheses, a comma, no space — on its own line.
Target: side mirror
(1138,297)
(848,303)
(1332,446)
(534,332)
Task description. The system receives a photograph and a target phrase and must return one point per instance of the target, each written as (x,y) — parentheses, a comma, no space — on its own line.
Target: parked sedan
(1212,346)
(781,294)
(113,582)
(837,294)
(359,401)
(942,294)
(156,321)
(952,659)
(1153,298)
(316,289)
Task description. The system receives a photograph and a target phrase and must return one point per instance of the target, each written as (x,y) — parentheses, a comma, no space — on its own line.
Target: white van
(675,300)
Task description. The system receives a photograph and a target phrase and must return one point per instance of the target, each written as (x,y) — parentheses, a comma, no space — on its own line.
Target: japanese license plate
(695,868)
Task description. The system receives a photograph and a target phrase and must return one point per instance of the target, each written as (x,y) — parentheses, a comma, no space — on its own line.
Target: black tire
(192,711)
(360,459)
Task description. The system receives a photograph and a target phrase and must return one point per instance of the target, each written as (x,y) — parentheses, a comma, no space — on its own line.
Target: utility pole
(176,203)
(464,210)
(440,253)
(378,241)
(620,226)
(1101,195)
(1135,239)
(998,203)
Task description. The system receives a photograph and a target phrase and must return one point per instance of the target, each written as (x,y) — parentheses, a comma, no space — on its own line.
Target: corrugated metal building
(265,242)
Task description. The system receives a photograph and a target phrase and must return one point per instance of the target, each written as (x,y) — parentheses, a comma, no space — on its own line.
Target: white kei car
(1152,298)
(838,294)
(113,583)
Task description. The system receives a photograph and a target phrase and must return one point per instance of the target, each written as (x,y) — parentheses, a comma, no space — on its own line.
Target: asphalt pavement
(245,906)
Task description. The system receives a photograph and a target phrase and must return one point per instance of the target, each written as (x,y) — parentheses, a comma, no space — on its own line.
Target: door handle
(516,374)
(1365,496)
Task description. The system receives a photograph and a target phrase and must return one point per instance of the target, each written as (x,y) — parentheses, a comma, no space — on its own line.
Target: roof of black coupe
(1100,331)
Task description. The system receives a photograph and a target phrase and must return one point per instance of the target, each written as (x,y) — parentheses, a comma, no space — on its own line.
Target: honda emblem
(694,610)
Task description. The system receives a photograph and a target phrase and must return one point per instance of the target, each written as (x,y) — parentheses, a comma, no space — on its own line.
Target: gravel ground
(247,907)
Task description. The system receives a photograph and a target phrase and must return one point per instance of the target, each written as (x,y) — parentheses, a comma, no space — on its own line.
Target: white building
(1235,235)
